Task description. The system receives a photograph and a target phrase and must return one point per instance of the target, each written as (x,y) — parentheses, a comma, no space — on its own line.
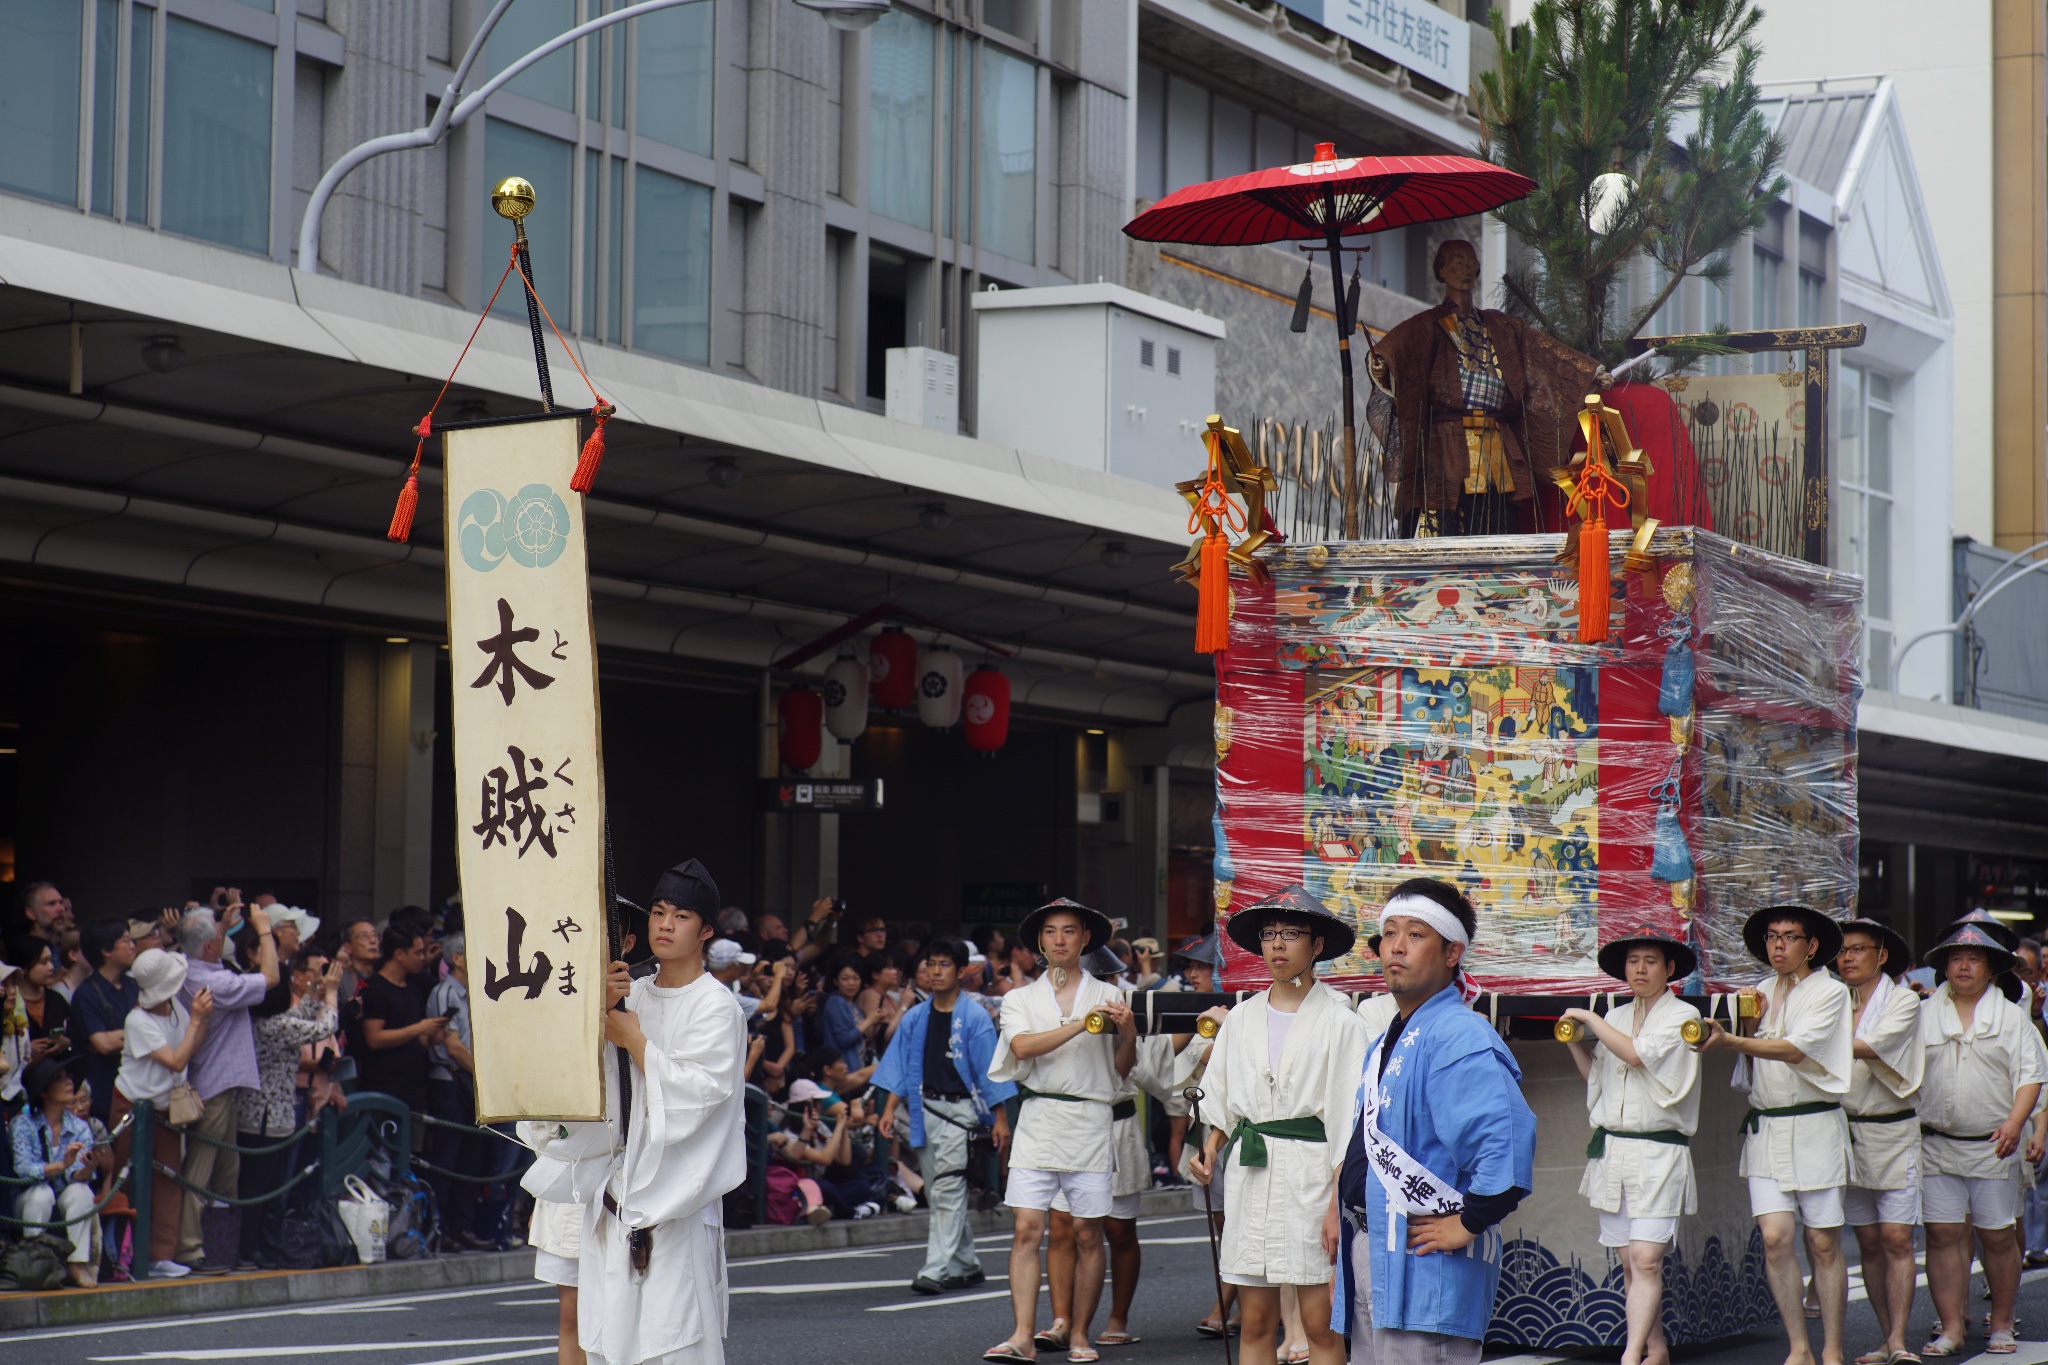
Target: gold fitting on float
(1693,1031)
(1569,1031)
(1096,1022)
(1207,1028)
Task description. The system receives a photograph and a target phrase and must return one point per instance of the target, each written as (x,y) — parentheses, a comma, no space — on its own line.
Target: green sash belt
(1899,1117)
(1598,1146)
(1753,1120)
(1254,1135)
(1119,1109)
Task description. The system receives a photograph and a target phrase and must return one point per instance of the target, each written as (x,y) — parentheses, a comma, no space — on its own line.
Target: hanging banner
(529,788)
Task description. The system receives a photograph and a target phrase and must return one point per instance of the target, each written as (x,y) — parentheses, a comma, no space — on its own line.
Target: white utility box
(922,387)
(1096,375)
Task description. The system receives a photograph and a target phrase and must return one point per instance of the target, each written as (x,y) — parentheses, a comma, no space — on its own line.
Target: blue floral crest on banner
(530,528)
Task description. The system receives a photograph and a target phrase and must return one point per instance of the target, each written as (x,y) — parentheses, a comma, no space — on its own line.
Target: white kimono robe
(1802,1151)
(1059,1135)
(686,1148)
(1377,1013)
(1153,1072)
(1274,1232)
(1662,1095)
(1973,1076)
(1886,1156)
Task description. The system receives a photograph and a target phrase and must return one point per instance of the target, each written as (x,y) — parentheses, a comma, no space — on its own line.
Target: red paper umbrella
(1293,203)
(1329,199)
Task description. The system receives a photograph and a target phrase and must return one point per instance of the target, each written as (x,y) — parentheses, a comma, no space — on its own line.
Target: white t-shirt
(1277,1026)
(142,1077)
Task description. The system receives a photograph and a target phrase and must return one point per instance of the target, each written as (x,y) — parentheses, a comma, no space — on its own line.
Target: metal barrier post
(757,1150)
(141,1184)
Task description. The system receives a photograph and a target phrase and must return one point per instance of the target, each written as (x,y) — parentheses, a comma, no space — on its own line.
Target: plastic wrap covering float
(1398,709)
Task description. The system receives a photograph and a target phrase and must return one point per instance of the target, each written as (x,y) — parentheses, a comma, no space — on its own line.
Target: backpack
(309,1234)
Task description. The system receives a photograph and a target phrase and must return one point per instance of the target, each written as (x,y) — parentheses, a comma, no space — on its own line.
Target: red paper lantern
(892,670)
(800,718)
(986,709)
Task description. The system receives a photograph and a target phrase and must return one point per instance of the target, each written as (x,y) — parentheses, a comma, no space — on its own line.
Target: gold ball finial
(513,198)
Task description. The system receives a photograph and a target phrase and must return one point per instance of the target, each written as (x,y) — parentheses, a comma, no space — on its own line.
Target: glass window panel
(106,65)
(1232,139)
(267,6)
(1151,132)
(1763,295)
(141,67)
(947,103)
(39,95)
(1880,388)
(615,254)
(1275,142)
(1187,134)
(1809,299)
(900,120)
(671,266)
(1007,160)
(1849,434)
(527,25)
(216,173)
(1880,427)
(672,77)
(593,233)
(545,162)
(1877,581)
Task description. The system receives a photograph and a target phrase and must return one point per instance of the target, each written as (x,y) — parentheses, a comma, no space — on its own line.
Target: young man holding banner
(650,1178)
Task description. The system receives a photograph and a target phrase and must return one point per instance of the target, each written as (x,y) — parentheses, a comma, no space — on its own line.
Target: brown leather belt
(639,1241)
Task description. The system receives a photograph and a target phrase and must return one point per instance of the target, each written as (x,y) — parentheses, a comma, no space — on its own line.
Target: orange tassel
(593,453)
(401,515)
(1596,588)
(1212,610)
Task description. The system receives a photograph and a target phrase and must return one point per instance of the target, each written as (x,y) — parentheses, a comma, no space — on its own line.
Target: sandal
(1207,1327)
(1878,1357)
(1083,1355)
(1905,1358)
(1117,1339)
(1940,1347)
(1053,1338)
(1293,1358)
(2001,1344)
(1007,1354)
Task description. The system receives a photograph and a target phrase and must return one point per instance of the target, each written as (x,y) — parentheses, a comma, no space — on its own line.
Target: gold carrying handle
(1096,1022)
(1693,1031)
(1207,1028)
(1569,1031)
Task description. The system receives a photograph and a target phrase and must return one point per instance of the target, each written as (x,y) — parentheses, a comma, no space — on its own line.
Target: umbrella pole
(1333,233)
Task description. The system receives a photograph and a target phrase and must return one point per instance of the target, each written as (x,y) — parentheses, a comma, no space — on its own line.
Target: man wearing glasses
(1795,1152)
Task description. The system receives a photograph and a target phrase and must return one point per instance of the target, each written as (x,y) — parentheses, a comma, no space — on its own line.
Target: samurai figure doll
(1475,409)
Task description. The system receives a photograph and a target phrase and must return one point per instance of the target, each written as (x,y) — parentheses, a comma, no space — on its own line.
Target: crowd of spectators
(241,1023)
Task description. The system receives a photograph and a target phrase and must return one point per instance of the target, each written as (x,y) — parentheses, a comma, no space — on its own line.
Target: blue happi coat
(971,1045)
(1451,1097)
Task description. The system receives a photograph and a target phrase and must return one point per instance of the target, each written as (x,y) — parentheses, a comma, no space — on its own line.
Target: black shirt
(941,1077)
(401,1071)
(98,1007)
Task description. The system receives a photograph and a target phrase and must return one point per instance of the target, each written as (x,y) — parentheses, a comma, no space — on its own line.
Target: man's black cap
(688,886)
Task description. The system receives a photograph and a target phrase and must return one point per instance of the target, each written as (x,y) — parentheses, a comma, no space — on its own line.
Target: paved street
(837,1306)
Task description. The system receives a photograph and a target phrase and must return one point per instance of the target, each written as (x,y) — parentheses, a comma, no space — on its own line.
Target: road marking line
(842,1254)
(941,1302)
(501,1355)
(247,1352)
(214,1319)
(527,1303)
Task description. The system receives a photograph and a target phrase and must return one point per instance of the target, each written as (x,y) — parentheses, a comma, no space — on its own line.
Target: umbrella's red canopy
(1286,203)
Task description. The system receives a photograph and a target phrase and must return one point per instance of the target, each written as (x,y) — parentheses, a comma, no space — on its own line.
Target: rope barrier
(431,1168)
(309,1126)
(229,1199)
(93,1212)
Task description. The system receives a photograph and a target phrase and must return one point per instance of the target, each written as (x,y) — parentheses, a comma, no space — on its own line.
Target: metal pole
(1333,235)
(540,345)
(141,1184)
(1193,1096)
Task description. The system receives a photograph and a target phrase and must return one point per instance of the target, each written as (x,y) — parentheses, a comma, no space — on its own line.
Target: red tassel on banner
(409,496)
(1212,610)
(593,453)
(1596,587)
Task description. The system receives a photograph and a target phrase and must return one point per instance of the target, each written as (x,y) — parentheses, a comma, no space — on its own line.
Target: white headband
(1429,912)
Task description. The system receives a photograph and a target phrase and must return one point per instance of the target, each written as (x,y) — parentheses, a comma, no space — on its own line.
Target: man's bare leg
(568,1345)
(1126,1262)
(1059,1272)
(1090,1263)
(1947,1284)
(1325,1347)
(1028,1229)
(1781,1267)
(1642,1270)
(2001,1272)
(1259,1344)
(1831,1280)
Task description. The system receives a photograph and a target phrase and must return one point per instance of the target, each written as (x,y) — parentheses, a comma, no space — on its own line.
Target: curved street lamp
(2001,578)
(454,109)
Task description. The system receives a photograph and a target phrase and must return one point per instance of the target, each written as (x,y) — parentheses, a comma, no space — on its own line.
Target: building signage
(1428,41)
(529,792)
(804,794)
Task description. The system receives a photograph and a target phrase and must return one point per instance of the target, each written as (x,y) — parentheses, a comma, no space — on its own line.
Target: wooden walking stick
(1193,1095)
